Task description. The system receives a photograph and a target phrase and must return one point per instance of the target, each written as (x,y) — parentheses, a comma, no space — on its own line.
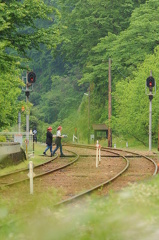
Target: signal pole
(150,82)
(30,79)
(27,110)
(109,107)
(150,121)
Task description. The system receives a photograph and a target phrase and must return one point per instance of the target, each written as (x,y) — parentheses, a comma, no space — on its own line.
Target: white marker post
(74,137)
(31,175)
(97,151)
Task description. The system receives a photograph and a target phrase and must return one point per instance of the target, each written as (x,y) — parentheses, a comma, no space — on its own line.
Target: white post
(99,153)
(31,175)
(74,137)
(97,149)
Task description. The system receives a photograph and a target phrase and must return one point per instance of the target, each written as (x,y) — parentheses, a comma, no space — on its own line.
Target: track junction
(76,175)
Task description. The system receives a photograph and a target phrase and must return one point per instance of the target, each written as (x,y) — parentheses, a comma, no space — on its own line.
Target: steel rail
(43,174)
(115,150)
(26,168)
(138,155)
(70,200)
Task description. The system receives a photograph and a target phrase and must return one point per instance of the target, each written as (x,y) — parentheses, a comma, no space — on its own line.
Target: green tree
(19,32)
(19,29)
(9,90)
(62,99)
(127,50)
(132,103)
(87,21)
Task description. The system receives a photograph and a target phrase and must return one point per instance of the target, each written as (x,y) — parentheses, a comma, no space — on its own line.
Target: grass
(131,143)
(130,214)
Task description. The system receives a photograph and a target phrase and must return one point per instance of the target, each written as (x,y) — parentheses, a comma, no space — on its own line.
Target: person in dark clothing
(58,141)
(49,137)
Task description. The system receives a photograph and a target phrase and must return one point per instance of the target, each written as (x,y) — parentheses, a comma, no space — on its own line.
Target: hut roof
(99,127)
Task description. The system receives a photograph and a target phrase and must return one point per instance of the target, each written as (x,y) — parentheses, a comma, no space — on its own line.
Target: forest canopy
(20,32)
(68,44)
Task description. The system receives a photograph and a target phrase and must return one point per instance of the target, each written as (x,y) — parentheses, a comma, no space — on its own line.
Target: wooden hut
(100,131)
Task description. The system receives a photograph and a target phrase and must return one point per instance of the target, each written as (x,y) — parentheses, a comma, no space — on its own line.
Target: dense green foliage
(76,40)
(132,104)
(19,32)
(83,24)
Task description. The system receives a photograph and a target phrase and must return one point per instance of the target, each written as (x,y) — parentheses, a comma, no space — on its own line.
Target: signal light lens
(31,77)
(150,82)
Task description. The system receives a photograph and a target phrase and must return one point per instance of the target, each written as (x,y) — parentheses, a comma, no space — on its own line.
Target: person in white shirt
(58,141)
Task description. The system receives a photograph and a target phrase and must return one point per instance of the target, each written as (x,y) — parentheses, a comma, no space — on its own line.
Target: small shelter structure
(100,131)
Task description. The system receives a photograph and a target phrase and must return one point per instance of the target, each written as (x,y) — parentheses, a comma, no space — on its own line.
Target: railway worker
(58,141)
(49,137)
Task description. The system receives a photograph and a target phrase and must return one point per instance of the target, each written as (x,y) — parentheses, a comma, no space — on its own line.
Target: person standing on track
(49,138)
(58,141)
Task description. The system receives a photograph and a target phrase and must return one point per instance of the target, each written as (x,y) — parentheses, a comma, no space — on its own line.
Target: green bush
(2,139)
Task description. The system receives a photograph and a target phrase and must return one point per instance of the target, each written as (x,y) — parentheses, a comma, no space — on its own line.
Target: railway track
(48,167)
(81,178)
(132,172)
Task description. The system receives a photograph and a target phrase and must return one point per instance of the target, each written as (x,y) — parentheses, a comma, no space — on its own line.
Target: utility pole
(109,106)
(89,115)
(158,134)
(88,94)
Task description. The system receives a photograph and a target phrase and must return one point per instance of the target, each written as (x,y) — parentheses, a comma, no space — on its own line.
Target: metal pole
(150,124)
(27,127)
(109,107)
(27,111)
(89,115)
(19,121)
(150,118)
(33,143)
(158,134)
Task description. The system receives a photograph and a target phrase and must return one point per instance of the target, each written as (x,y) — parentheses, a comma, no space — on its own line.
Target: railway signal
(150,83)
(31,77)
